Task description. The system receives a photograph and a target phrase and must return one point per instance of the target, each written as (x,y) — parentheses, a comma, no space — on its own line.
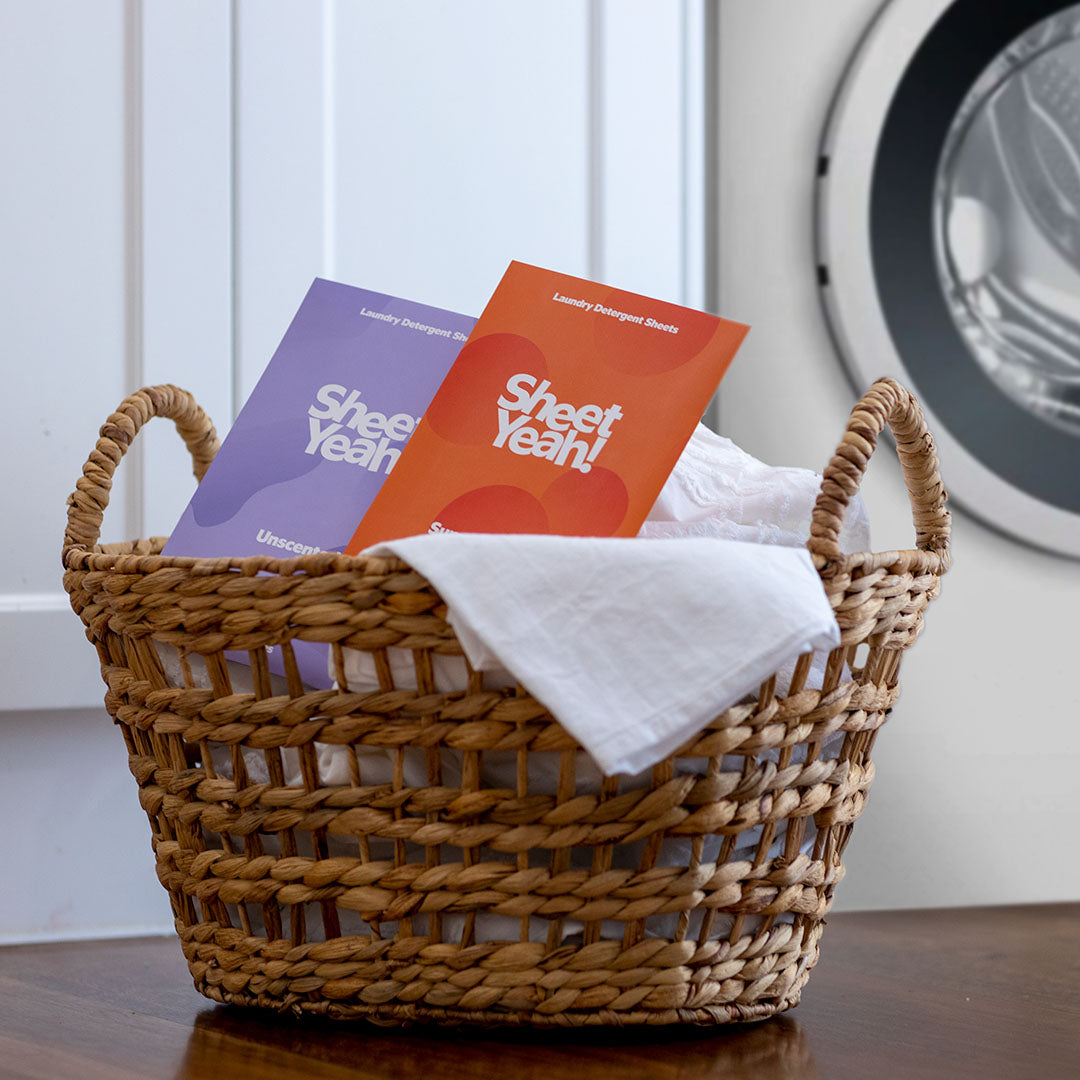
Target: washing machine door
(948,237)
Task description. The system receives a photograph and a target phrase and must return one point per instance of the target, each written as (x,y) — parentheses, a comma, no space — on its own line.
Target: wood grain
(984,992)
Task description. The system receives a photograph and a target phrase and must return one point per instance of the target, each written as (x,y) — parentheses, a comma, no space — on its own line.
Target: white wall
(75,846)
(175,176)
(973,801)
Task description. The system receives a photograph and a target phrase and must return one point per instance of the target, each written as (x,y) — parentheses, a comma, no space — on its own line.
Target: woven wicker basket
(465,899)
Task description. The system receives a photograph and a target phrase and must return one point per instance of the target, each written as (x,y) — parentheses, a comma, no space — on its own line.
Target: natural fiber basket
(463,899)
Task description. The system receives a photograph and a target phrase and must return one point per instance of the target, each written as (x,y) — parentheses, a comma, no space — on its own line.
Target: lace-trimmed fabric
(719,490)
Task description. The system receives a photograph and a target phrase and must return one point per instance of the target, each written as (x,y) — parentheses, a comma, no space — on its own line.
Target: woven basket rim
(100,556)
(885,404)
(127,557)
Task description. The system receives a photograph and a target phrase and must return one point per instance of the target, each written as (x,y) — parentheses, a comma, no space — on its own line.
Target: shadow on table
(239,1043)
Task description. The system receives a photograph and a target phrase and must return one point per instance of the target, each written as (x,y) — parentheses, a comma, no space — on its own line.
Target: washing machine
(947,240)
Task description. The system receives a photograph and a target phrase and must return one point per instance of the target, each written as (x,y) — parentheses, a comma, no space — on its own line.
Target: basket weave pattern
(381,899)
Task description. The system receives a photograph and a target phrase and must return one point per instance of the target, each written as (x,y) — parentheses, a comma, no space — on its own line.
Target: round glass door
(1007,220)
(948,244)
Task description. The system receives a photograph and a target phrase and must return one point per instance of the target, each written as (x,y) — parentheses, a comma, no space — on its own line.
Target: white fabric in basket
(716,490)
(719,490)
(632,644)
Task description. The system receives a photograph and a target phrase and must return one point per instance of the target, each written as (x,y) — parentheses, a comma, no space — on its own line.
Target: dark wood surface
(983,992)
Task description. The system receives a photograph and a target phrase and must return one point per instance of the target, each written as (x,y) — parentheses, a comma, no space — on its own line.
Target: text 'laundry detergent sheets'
(564,413)
(323,427)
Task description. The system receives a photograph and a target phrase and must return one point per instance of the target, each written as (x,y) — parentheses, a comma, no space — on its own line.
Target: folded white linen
(632,644)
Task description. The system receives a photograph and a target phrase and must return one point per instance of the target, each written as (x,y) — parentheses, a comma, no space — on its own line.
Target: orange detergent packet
(564,413)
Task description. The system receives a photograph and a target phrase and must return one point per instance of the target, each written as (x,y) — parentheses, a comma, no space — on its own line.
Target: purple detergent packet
(315,440)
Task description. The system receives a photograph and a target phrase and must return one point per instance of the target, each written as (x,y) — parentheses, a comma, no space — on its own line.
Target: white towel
(633,644)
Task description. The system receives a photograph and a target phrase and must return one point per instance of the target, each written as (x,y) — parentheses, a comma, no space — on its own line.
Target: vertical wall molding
(711,163)
(329,137)
(135,459)
(236,388)
(710,216)
(694,138)
(594,135)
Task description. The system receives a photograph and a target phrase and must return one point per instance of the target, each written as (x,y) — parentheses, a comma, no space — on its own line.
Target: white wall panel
(460,133)
(281,151)
(74,831)
(62,278)
(641,138)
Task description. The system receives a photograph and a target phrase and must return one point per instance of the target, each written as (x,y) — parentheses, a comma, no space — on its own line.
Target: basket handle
(87,503)
(886,402)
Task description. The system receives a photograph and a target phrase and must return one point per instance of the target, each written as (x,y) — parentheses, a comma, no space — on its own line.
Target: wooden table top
(972,992)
